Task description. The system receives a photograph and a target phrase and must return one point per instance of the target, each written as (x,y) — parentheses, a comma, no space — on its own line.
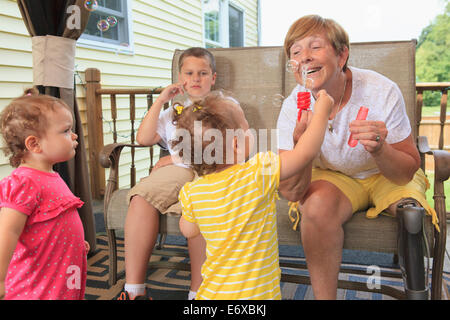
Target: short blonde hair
(313,24)
(197,52)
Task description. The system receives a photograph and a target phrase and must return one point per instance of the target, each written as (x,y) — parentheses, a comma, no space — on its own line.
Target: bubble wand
(303,97)
(362,115)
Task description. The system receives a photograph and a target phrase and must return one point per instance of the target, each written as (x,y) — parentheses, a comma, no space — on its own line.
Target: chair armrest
(441,174)
(111,152)
(441,159)
(109,158)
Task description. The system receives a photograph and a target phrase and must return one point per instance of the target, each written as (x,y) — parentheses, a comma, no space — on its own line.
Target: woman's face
(317,55)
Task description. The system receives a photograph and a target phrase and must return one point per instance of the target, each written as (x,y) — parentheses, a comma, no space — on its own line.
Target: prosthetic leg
(411,250)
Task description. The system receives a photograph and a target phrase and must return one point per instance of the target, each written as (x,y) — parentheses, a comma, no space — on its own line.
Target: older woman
(380,172)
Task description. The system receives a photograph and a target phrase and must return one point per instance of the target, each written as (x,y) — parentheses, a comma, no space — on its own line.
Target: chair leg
(112,246)
(162,240)
(410,249)
(438,264)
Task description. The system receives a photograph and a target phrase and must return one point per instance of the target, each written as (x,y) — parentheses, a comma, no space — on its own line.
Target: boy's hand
(171,91)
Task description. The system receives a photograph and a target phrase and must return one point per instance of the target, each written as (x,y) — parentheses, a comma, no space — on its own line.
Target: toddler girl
(158,193)
(42,247)
(232,203)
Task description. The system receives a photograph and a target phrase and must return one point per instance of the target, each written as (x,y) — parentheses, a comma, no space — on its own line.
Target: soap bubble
(91,5)
(102,25)
(112,21)
(292,66)
(277,100)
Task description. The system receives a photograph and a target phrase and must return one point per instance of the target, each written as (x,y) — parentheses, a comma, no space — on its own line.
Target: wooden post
(443,117)
(95,132)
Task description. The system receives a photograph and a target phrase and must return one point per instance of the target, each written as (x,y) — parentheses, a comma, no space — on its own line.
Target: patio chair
(256,76)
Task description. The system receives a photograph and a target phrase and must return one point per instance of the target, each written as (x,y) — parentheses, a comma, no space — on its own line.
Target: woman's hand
(164,161)
(371,134)
(301,125)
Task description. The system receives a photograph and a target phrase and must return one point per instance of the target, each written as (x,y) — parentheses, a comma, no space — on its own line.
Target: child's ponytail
(30,92)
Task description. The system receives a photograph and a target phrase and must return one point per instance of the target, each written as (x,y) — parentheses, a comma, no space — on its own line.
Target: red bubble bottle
(362,115)
(303,102)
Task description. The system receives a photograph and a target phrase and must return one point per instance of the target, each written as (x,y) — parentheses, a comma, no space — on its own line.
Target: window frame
(240,9)
(93,42)
(224,31)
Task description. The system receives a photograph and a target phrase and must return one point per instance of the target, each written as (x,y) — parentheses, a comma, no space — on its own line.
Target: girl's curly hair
(23,117)
(213,114)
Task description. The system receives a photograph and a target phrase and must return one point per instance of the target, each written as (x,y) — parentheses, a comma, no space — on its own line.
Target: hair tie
(196,107)
(178,108)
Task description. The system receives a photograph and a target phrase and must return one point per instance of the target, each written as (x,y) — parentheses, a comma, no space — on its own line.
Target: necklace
(330,125)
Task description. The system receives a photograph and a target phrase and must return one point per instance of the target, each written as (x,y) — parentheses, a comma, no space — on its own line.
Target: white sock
(135,289)
(192,295)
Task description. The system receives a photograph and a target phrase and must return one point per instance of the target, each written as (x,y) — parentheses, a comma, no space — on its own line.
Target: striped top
(235,210)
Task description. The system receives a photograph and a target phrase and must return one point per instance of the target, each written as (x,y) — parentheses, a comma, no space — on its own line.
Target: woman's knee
(325,205)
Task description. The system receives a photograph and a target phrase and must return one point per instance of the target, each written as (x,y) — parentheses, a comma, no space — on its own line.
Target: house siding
(158,28)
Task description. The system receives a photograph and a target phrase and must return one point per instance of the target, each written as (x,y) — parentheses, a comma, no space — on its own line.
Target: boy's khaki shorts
(161,188)
(377,192)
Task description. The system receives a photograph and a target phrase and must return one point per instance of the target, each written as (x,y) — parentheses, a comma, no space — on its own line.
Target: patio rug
(166,284)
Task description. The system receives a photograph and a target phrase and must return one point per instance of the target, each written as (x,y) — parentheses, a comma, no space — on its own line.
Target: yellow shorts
(377,192)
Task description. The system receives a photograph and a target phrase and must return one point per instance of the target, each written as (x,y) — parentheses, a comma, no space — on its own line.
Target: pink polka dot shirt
(49,262)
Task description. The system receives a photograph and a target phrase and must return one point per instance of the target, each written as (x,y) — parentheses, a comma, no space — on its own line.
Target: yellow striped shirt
(235,210)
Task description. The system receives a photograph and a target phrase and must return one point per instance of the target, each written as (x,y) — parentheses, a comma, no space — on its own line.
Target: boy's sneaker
(125,296)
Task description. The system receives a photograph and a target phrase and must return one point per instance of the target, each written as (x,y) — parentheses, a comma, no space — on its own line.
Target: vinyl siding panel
(158,28)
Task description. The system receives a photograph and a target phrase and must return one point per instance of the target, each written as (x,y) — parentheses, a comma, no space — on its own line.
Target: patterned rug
(167,284)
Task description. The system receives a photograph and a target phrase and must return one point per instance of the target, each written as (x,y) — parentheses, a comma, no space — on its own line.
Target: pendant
(330,128)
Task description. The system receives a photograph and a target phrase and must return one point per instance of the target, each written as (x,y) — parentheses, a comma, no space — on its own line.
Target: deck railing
(94,95)
(443,87)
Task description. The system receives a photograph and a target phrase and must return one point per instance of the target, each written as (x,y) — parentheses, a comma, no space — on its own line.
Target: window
(236,27)
(212,21)
(223,24)
(109,26)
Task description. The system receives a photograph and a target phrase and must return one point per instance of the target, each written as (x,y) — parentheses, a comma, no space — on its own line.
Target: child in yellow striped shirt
(232,203)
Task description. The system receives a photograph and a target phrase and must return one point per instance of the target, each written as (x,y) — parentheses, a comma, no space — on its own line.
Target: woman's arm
(294,188)
(12,223)
(398,162)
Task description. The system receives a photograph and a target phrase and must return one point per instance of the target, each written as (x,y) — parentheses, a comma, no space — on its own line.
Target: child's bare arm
(147,134)
(188,229)
(12,223)
(311,140)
